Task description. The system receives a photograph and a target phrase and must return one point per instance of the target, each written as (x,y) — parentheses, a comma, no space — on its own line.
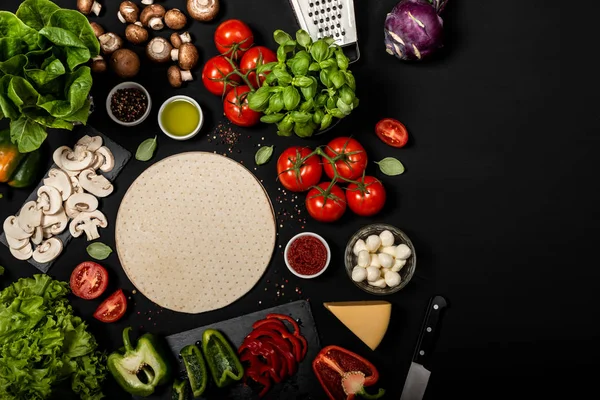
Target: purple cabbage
(414,29)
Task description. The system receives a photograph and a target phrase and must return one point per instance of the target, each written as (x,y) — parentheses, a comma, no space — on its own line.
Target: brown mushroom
(98,29)
(136,33)
(147,2)
(175,19)
(152,16)
(128,12)
(203,10)
(125,63)
(186,56)
(98,64)
(177,39)
(110,42)
(159,50)
(177,76)
(89,6)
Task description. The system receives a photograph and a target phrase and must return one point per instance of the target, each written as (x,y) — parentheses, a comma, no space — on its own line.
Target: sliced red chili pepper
(258,366)
(260,379)
(297,342)
(290,360)
(302,339)
(288,319)
(257,347)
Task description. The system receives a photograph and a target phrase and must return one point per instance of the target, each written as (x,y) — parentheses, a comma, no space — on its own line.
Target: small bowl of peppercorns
(128,104)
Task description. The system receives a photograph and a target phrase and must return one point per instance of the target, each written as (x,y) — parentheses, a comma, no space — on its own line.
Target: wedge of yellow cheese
(368,320)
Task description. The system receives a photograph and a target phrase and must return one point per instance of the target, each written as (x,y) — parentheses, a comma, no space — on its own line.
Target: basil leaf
(259,100)
(283,77)
(318,116)
(281,37)
(276,103)
(346,94)
(338,79)
(319,50)
(285,126)
(327,63)
(314,67)
(262,68)
(329,40)
(99,251)
(307,105)
(390,166)
(350,79)
(337,113)
(309,91)
(331,102)
(281,54)
(325,78)
(301,117)
(282,133)
(146,149)
(291,98)
(321,100)
(263,155)
(302,81)
(355,102)
(326,122)
(272,118)
(271,78)
(300,67)
(289,46)
(303,130)
(303,38)
(346,109)
(342,60)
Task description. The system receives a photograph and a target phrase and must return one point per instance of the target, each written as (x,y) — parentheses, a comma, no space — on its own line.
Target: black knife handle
(429,329)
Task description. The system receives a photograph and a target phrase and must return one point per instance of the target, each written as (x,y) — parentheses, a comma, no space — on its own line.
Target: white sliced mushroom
(56,223)
(372,274)
(38,235)
(359,246)
(11,228)
(49,200)
(364,259)
(77,161)
(88,222)
(385,260)
(96,184)
(403,251)
(359,274)
(57,157)
(75,183)
(30,217)
(61,181)
(47,232)
(16,243)
(387,238)
(80,202)
(47,251)
(91,143)
(24,253)
(108,159)
(373,242)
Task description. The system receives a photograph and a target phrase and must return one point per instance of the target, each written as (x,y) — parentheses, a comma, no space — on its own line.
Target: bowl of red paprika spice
(307,255)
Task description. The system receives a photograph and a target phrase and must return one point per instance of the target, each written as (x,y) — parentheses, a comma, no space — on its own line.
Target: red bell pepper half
(344,374)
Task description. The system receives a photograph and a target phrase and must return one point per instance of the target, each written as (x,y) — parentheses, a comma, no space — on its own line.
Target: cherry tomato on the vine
(236,107)
(367,197)
(295,175)
(215,76)
(354,158)
(257,55)
(392,132)
(326,208)
(233,38)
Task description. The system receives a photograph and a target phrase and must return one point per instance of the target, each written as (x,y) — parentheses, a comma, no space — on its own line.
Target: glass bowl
(400,237)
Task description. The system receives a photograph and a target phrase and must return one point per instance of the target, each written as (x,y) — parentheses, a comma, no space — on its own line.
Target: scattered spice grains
(290,209)
(225,135)
(129,104)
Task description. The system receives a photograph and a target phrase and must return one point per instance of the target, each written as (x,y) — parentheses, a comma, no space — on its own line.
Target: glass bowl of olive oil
(180,117)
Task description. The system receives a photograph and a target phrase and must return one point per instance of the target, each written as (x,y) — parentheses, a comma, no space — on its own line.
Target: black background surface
(498,198)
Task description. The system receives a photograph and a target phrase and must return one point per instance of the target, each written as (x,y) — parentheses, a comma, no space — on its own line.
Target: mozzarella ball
(402,251)
(372,273)
(384,270)
(385,260)
(392,278)
(373,243)
(375,260)
(380,283)
(387,238)
(364,259)
(398,265)
(359,274)
(359,246)
(391,250)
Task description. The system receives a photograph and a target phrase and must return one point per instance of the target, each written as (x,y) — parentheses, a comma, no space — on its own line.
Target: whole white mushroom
(373,242)
(403,251)
(387,238)
(392,278)
(372,273)
(364,259)
(359,274)
(359,246)
(386,260)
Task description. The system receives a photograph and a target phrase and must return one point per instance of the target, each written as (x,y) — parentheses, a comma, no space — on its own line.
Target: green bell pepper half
(180,390)
(195,367)
(223,362)
(147,357)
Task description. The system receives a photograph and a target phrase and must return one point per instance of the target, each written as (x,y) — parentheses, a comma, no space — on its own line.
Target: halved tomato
(89,280)
(392,132)
(113,308)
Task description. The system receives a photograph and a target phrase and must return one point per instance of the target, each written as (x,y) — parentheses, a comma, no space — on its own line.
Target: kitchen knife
(418,375)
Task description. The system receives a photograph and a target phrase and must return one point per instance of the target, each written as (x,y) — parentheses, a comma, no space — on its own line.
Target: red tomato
(113,308)
(392,132)
(233,38)
(236,107)
(353,162)
(366,198)
(89,280)
(296,175)
(326,209)
(215,76)
(257,55)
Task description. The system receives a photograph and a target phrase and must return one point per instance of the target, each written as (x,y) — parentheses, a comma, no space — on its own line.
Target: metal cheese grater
(335,18)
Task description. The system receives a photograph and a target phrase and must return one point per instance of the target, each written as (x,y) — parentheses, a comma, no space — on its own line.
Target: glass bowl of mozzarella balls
(380,259)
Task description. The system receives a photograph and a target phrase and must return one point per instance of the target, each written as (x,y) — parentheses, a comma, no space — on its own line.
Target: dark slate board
(122,156)
(302,386)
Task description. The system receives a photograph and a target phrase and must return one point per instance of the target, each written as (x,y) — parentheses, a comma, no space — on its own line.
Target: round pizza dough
(195,232)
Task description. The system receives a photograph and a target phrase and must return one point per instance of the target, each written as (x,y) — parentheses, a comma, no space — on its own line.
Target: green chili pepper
(223,362)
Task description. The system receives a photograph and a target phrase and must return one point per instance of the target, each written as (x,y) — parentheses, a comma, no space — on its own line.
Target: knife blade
(418,375)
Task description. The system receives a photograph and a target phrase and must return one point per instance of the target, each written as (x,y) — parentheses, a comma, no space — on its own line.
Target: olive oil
(180,117)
